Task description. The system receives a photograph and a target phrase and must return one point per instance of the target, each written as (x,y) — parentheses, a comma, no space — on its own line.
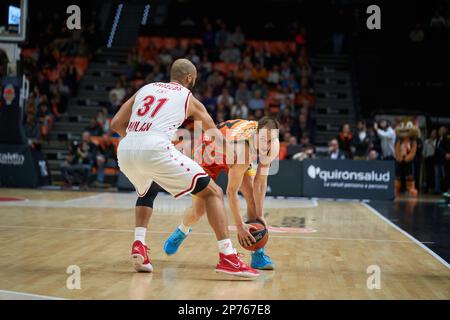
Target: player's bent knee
(201,184)
(149,197)
(210,190)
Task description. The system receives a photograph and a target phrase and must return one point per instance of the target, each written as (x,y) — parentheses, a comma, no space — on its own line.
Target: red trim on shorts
(186,105)
(194,179)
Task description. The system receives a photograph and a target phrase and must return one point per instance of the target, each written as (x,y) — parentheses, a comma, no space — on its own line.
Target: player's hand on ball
(244,236)
(262,220)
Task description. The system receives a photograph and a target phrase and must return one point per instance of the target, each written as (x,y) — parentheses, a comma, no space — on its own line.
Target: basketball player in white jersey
(147,122)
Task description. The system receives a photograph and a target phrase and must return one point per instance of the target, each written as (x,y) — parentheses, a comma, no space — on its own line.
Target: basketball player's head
(184,72)
(268,131)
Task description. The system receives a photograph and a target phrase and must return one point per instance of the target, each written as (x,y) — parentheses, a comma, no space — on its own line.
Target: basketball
(261,235)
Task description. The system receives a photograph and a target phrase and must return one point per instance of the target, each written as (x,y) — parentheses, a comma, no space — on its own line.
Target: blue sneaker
(261,261)
(174,241)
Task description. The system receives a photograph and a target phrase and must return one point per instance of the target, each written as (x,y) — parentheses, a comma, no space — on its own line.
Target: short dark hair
(268,123)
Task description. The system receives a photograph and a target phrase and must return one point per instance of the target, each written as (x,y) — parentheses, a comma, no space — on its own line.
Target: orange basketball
(261,235)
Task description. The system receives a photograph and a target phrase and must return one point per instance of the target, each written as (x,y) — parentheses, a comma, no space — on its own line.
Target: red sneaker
(232,264)
(139,257)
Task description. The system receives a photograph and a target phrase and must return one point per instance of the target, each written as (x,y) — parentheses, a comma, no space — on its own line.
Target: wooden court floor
(322,250)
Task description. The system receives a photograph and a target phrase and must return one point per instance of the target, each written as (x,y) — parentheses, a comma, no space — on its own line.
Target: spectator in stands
(308,152)
(209,100)
(225,98)
(94,128)
(177,51)
(208,37)
(373,155)
(237,38)
(222,113)
(119,92)
(257,102)
(304,99)
(239,110)
(345,139)
(258,114)
(222,36)
(45,119)
(361,141)
(231,54)
(429,147)
(442,149)
(72,170)
(333,151)
(193,57)
(103,121)
(301,126)
(242,93)
(114,104)
(274,76)
(106,158)
(32,131)
(387,139)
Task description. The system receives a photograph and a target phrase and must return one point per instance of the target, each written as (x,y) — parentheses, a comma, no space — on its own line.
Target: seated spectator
(301,126)
(257,102)
(373,155)
(258,114)
(45,119)
(304,98)
(230,55)
(94,128)
(239,111)
(209,100)
(32,132)
(222,113)
(225,99)
(333,150)
(308,152)
(103,121)
(106,158)
(361,141)
(114,104)
(242,93)
(261,87)
(345,139)
(259,72)
(72,171)
(119,92)
(274,76)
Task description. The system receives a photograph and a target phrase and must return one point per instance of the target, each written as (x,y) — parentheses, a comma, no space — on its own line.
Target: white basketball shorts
(144,160)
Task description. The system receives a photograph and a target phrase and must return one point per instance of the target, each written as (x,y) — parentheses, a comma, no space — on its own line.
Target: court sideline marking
(420,244)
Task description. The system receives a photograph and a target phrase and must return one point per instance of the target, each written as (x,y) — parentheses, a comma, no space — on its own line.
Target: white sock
(225,246)
(139,234)
(184,229)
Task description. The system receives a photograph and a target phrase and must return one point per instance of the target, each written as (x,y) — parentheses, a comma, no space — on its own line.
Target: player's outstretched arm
(235,176)
(260,181)
(120,121)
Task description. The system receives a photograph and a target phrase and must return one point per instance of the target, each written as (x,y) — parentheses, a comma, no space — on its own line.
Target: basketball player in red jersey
(147,122)
(257,145)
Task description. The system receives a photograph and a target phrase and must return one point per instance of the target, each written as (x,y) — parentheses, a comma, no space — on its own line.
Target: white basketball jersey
(159,109)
